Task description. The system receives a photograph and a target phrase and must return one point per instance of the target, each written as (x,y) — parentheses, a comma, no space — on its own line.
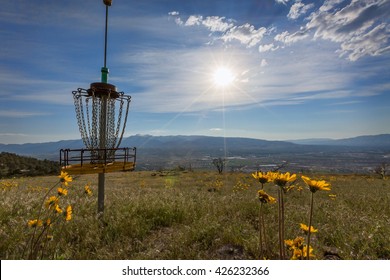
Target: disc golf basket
(101,127)
(101,113)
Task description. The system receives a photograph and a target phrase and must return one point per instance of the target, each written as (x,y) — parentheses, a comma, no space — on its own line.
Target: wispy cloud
(326,95)
(351,102)
(19,88)
(9,134)
(263,62)
(282,1)
(213,23)
(174,13)
(361,27)
(268,47)
(298,9)
(288,39)
(245,34)
(20,114)
(180,80)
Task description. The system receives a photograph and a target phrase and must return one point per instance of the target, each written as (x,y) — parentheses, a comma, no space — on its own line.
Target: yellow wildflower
(296,243)
(289,243)
(305,252)
(35,223)
(298,248)
(297,254)
(57,209)
(262,177)
(68,213)
(316,185)
(265,198)
(51,202)
(87,190)
(305,229)
(281,179)
(65,178)
(301,254)
(62,191)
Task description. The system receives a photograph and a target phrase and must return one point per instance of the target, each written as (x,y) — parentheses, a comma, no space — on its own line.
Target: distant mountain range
(159,145)
(168,151)
(381,140)
(205,143)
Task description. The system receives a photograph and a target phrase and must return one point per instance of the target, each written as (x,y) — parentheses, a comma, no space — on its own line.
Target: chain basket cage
(99,123)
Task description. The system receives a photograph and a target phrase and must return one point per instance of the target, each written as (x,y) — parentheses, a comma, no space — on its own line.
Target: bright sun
(223,77)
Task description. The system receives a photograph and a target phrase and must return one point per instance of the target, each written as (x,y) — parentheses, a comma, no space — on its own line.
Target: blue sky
(299,69)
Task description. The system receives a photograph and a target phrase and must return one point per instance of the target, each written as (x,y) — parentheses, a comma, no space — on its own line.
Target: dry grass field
(190,215)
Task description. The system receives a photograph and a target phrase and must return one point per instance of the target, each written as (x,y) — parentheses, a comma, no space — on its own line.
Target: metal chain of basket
(93,109)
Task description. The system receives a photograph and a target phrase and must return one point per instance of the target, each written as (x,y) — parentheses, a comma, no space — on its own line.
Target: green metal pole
(104,78)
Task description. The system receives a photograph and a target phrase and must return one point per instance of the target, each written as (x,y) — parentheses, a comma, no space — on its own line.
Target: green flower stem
(282,209)
(32,243)
(264,235)
(281,223)
(261,230)
(310,220)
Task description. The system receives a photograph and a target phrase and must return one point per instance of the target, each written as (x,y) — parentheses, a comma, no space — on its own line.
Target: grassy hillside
(192,215)
(12,165)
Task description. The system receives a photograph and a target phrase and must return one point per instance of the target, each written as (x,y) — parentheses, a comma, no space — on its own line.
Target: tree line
(12,165)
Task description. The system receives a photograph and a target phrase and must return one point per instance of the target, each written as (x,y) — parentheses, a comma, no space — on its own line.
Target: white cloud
(217,24)
(174,13)
(179,21)
(246,34)
(298,9)
(193,20)
(269,47)
(287,38)
(263,63)
(20,114)
(284,2)
(371,43)
(361,27)
(329,5)
(212,23)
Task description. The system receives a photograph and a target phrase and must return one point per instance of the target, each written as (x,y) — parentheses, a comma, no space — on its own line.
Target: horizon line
(198,135)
